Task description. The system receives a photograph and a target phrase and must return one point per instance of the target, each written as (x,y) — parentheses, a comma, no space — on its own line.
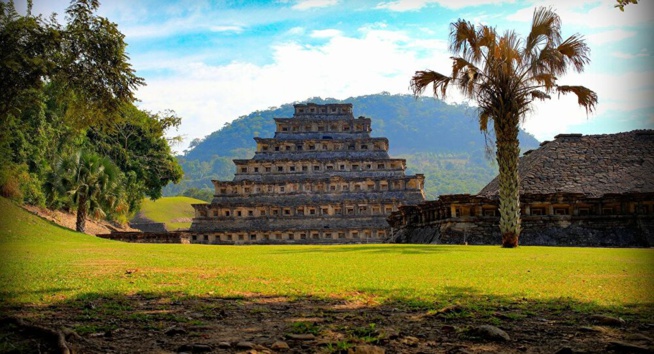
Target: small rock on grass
(410,341)
(307,336)
(595,329)
(449,309)
(607,320)
(224,345)
(174,330)
(245,345)
(366,349)
(194,348)
(491,333)
(280,345)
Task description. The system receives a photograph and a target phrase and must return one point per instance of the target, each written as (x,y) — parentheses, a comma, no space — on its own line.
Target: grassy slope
(169,210)
(43,263)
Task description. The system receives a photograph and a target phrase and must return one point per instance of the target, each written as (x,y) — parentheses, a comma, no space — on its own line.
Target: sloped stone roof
(593,165)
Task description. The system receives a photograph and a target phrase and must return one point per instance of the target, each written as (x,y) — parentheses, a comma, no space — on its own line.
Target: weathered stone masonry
(321,179)
(595,190)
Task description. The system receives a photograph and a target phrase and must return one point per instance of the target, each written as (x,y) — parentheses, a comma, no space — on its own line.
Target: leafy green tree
(55,82)
(86,58)
(137,143)
(91,183)
(504,74)
(26,47)
(622,3)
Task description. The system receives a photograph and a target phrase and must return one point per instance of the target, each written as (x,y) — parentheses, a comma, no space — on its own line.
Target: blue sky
(213,61)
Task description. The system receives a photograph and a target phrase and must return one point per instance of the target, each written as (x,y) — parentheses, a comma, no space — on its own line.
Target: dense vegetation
(70,124)
(438,139)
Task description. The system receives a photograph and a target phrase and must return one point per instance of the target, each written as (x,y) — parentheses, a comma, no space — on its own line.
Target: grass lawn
(136,292)
(175,212)
(43,263)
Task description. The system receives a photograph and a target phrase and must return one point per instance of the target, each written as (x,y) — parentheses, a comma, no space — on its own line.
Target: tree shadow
(387,249)
(389,319)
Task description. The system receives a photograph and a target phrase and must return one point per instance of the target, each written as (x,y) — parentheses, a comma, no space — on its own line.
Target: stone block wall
(148,237)
(149,226)
(560,230)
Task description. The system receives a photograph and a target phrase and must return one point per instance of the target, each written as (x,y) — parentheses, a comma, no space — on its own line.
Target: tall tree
(86,58)
(137,143)
(70,86)
(91,183)
(505,74)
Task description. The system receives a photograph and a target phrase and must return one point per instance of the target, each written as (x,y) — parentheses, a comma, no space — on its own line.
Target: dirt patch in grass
(68,220)
(169,323)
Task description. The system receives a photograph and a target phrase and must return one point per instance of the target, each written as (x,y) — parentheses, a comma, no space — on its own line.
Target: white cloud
(310,4)
(414,5)
(617,94)
(609,36)
(208,96)
(295,31)
(237,29)
(591,13)
(327,33)
(643,53)
(403,5)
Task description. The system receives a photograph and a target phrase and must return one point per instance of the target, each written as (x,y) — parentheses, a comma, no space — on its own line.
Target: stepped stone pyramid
(321,179)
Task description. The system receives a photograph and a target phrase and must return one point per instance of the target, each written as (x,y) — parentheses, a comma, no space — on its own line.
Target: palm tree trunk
(508,151)
(80,224)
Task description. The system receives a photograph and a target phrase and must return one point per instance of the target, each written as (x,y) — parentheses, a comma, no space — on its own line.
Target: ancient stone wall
(148,237)
(149,226)
(547,220)
(586,231)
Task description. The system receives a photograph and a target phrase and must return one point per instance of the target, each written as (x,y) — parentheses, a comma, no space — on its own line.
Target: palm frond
(575,52)
(461,64)
(466,81)
(545,28)
(422,79)
(464,41)
(484,116)
(538,94)
(585,97)
(508,50)
(546,80)
(550,61)
(487,36)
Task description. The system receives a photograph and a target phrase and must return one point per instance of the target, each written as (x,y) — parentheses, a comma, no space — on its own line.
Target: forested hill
(442,141)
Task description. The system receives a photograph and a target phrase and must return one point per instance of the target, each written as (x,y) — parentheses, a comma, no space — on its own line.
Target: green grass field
(170,210)
(43,263)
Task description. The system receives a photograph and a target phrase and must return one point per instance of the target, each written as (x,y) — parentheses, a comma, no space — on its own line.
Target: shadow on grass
(371,248)
(173,322)
(5,295)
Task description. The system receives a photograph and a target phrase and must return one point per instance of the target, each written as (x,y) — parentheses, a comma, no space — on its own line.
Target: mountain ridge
(438,139)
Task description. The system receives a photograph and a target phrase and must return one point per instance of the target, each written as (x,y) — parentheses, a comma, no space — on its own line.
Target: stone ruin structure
(593,190)
(321,179)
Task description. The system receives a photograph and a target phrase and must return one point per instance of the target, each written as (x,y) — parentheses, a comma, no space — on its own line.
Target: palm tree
(504,75)
(90,182)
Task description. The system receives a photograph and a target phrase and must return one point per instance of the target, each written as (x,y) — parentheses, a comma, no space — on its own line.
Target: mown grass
(170,210)
(43,264)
